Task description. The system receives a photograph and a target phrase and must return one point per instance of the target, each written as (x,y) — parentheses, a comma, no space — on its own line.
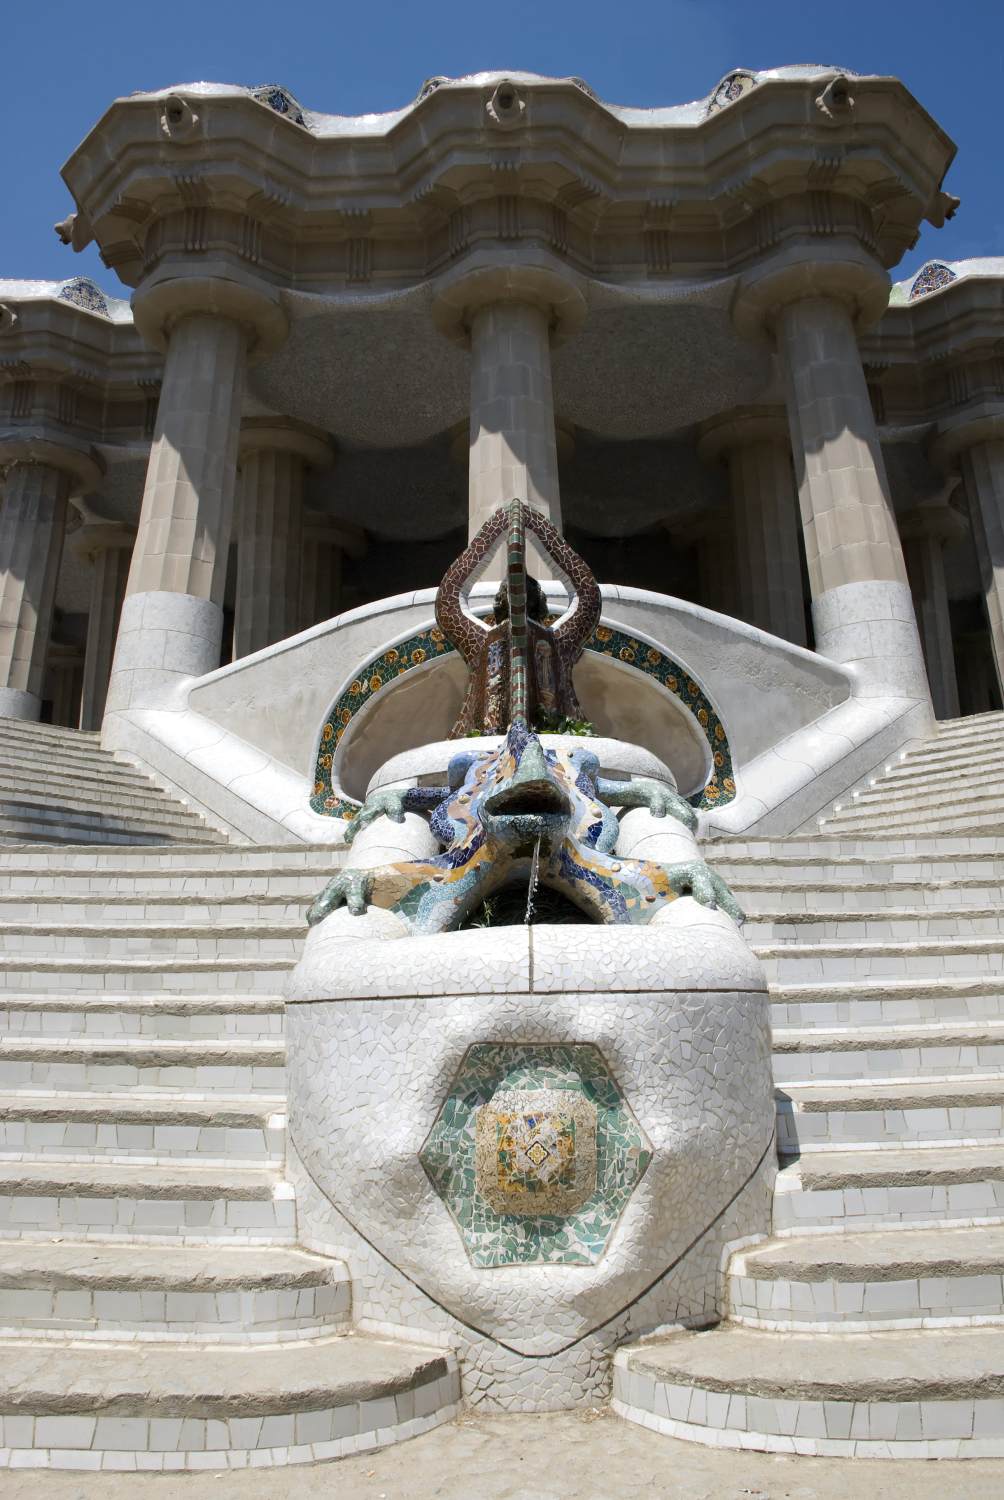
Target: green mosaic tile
(425,645)
(527,1128)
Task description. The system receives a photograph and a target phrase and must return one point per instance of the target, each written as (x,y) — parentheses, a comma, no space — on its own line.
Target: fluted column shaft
(109,550)
(925,562)
(861,602)
(513,447)
(32,527)
(269,548)
(320,577)
(716,566)
(982,466)
(764,522)
(172,619)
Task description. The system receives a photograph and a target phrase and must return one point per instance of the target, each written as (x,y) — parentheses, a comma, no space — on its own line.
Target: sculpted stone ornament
(521,811)
(519,656)
(535,1141)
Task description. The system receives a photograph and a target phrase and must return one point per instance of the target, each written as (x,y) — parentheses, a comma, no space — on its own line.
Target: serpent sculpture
(520,807)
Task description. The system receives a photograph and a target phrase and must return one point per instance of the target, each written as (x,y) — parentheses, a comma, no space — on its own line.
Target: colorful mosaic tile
(731,88)
(280,100)
(535,1153)
(932,278)
(83,293)
(425,645)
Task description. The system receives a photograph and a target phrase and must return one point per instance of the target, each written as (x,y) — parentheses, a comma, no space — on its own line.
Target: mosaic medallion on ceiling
(535,1153)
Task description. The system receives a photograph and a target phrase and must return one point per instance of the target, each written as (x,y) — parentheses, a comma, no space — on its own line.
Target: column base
(15,703)
(163,640)
(872,626)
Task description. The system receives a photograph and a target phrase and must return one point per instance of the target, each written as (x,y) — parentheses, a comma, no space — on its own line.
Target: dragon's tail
(519,707)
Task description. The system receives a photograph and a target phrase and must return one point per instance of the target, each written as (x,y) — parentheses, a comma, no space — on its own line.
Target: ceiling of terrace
(384,377)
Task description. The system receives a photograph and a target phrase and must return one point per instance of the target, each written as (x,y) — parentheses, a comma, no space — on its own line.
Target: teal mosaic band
(425,645)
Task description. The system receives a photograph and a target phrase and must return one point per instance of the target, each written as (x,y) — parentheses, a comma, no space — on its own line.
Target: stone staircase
(946,785)
(873,1323)
(144,1213)
(57,786)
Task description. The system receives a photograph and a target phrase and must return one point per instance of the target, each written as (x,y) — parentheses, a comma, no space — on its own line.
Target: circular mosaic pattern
(535,1153)
(425,645)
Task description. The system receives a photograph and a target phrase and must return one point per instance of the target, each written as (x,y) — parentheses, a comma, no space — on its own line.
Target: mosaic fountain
(533,1140)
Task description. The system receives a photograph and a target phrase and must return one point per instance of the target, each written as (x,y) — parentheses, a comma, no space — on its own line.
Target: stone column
(973,443)
(925,531)
(275,454)
(509,315)
(327,541)
(172,618)
(64,679)
(108,548)
(862,608)
(39,477)
(756,445)
(712,535)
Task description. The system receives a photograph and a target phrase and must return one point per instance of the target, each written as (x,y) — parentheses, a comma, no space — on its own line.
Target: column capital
(287,435)
(740,428)
(838,269)
(163,299)
(979,422)
(80,461)
(525,275)
(95,537)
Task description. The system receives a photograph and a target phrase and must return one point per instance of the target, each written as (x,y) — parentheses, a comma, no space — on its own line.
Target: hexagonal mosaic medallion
(535,1153)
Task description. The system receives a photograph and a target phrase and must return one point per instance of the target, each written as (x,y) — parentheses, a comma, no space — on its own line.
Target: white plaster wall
(240,742)
(385,1021)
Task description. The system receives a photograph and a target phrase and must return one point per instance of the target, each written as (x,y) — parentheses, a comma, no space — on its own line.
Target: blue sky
(64,64)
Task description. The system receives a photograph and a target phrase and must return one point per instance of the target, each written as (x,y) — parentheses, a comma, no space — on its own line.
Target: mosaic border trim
(426,645)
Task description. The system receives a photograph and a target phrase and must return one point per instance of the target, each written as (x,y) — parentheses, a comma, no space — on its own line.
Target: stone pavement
(585,1456)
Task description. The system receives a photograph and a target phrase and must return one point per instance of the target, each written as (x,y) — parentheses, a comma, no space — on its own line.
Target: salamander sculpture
(516,808)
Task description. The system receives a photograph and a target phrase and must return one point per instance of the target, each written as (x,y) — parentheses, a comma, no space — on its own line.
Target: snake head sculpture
(514,807)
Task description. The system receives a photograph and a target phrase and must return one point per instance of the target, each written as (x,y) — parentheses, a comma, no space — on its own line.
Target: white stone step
(834,960)
(938,1049)
(923,776)
(902,924)
(91,794)
(16,832)
(155,1406)
(904,1186)
(86,769)
(150,976)
(982,812)
(971,726)
(63,822)
(79,1200)
(111,1017)
(902,1278)
(873,898)
(273,939)
(936,1393)
(57,734)
(172,907)
(130,1126)
(232,1066)
(880,1002)
(238,1294)
(909,1111)
(80,861)
(796,872)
